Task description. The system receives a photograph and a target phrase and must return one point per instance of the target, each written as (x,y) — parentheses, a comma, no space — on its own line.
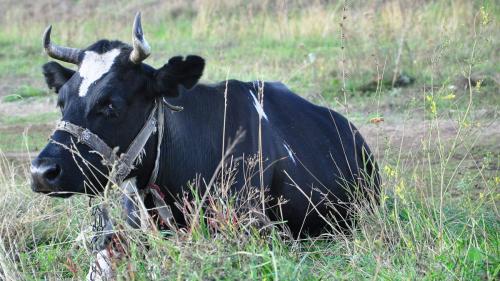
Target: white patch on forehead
(290,153)
(93,67)
(258,107)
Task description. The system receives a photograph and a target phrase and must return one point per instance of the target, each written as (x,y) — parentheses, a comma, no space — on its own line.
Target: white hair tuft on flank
(290,152)
(258,107)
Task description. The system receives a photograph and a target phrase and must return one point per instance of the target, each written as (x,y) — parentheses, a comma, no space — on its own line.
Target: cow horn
(141,47)
(66,54)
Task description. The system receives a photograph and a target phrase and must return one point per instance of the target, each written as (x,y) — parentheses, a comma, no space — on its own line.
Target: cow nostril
(45,175)
(52,172)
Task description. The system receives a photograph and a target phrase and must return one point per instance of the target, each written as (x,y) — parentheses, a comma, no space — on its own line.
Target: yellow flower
(497,180)
(478,85)
(409,244)
(389,171)
(448,97)
(400,188)
(484,16)
(432,104)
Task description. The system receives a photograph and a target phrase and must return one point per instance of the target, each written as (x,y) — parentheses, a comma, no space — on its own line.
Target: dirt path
(410,134)
(414,143)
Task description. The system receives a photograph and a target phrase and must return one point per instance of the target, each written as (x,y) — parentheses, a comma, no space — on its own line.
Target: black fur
(179,71)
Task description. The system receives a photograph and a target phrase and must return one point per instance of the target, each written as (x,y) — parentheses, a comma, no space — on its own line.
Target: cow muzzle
(45,175)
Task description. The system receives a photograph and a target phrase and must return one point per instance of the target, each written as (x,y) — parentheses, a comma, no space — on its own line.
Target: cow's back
(319,156)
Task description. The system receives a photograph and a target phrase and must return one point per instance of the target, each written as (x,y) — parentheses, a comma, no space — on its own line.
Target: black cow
(312,155)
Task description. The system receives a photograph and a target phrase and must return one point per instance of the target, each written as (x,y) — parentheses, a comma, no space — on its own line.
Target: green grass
(25,92)
(27,132)
(20,142)
(438,217)
(35,118)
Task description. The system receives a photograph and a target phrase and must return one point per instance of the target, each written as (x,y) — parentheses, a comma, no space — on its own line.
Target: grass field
(438,145)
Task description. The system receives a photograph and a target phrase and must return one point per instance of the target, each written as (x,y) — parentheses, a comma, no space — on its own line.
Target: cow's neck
(191,143)
(191,140)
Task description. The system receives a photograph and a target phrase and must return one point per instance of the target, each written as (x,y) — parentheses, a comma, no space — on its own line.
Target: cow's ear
(177,72)
(56,75)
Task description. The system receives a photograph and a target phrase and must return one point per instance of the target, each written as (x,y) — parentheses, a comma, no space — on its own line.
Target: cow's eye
(108,109)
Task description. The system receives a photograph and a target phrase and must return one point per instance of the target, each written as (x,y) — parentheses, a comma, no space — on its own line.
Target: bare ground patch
(27,106)
(413,140)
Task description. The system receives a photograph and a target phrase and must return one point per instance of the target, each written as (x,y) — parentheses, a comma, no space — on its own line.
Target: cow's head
(111,93)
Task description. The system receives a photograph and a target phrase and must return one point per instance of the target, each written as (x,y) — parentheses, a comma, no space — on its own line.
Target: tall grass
(410,235)
(438,214)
